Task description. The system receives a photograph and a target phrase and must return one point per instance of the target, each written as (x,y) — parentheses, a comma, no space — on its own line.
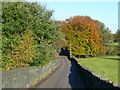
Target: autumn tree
(83,36)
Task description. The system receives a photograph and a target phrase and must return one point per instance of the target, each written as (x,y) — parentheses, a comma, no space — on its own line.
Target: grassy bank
(107,66)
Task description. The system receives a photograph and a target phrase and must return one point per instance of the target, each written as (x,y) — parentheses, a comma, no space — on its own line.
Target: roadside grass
(106,66)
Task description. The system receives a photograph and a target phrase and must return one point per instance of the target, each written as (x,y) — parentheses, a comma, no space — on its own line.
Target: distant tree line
(117,36)
(106,34)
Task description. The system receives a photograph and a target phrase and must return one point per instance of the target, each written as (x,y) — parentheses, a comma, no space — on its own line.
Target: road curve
(65,76)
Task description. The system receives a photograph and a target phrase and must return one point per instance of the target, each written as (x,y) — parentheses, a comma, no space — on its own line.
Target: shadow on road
(74,78)
(87,78)
(80,77)
(64,52)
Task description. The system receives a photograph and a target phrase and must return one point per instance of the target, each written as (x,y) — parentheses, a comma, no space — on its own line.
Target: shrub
(29,35)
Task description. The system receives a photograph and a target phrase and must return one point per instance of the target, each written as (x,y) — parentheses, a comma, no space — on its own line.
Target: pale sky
(106,12)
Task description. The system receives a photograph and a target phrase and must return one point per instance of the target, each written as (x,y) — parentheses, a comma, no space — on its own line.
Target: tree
(105,33)
(83,34)
(20,18)
(117,36)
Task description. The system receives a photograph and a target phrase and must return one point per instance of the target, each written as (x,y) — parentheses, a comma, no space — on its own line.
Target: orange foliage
(23,53)
(83,34)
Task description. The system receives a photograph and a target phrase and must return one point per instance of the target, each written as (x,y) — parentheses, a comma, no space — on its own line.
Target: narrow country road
(65,76)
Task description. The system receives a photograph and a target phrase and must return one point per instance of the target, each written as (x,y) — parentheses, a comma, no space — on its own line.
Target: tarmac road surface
(65,76)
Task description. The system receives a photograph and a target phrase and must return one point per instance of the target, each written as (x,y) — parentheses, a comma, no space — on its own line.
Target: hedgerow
(29,35)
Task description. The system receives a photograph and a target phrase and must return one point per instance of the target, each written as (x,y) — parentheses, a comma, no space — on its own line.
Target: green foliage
(117,36)
(21,54)
(112,48)
(105,33)
(108,39)
(29,35)
(44,54)
(112,44)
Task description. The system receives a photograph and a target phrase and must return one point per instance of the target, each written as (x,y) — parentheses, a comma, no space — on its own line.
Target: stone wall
(92,79)
(25,77)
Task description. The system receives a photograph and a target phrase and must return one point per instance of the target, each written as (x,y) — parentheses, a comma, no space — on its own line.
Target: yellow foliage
(23,54)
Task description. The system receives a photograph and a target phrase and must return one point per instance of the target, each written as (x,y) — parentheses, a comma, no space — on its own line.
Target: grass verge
(107,66)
